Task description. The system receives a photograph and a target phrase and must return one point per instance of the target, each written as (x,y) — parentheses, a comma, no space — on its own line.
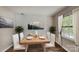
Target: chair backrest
(15,40)
(42,32)
(49,36)
(52,38)
(21,35)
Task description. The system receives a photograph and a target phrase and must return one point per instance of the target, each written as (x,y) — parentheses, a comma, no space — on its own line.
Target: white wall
(5,38)
(24,20)
(6,33)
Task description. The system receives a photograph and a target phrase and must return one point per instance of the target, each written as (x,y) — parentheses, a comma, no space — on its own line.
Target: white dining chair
(16,45)
(52,41)
(42,33)
(21,35)
(50,37)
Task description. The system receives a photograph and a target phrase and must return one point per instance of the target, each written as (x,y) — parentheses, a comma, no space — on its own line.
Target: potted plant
(19,29)
(52,29)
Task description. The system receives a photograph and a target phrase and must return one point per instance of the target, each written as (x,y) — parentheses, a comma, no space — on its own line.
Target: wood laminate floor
(38,48)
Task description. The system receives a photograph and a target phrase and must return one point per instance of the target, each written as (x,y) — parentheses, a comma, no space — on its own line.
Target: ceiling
(41,10)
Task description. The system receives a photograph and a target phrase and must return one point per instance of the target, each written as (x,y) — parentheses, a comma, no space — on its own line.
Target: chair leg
(26,48)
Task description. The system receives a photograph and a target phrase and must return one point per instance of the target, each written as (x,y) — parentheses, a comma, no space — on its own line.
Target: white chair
(21,35)
(42,33)
(16,44)
(51,37)
(52,42)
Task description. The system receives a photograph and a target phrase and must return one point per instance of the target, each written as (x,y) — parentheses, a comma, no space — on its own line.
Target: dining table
(34,40)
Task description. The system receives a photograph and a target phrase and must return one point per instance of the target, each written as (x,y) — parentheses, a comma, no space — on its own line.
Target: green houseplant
(19,29)
(52,29)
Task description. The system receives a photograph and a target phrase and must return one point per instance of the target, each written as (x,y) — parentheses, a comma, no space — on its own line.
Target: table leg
(44,48)
(26,48)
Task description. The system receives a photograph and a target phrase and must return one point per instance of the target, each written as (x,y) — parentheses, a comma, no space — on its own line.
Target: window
(67,27)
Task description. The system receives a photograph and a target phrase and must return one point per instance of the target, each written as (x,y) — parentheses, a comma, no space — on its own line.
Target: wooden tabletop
(34,40)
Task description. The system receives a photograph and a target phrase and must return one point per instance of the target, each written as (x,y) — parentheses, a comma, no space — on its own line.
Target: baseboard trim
(66,49)
(62,47)
(7,48)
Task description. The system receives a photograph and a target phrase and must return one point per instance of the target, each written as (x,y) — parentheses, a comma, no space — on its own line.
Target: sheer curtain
(60,18)
(75,13)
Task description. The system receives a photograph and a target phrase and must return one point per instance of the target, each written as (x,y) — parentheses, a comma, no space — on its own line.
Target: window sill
(68,37)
